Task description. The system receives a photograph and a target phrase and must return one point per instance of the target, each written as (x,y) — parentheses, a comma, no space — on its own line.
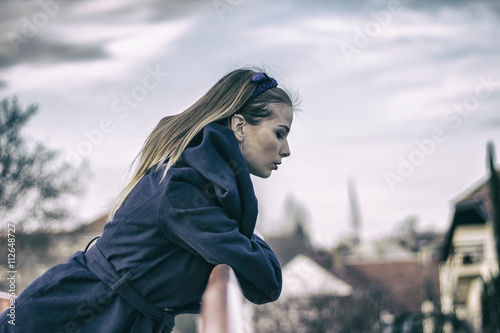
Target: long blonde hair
(230,95)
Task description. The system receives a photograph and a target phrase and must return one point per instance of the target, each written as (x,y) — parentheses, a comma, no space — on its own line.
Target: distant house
(304,277)
(287,246)
(314,298)
(306,269)
(469,259)
(40,252)
(402,278)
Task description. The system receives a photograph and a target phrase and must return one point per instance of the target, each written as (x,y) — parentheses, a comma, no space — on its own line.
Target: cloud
(42,51)
(119,34)
(109,61)
(359,117)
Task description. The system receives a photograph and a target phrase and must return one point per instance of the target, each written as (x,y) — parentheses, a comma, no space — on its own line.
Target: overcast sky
(402,97)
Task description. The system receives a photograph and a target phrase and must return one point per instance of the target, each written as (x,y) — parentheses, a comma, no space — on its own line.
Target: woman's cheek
(268,143)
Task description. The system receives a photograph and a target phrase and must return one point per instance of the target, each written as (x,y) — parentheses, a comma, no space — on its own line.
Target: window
(468,253)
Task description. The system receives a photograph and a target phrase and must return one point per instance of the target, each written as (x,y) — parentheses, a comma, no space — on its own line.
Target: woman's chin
(262,174)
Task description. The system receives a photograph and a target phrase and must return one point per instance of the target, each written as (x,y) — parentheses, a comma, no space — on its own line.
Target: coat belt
(102,268)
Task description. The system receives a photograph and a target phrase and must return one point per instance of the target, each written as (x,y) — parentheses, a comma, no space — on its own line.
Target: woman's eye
(279,136)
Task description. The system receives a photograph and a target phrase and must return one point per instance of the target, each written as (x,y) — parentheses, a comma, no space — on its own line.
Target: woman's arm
(195,221)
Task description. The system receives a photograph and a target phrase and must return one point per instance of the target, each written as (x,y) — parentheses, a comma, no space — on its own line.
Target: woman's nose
(285,150)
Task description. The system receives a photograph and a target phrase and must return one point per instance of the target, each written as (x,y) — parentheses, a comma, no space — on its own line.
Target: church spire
(355,220)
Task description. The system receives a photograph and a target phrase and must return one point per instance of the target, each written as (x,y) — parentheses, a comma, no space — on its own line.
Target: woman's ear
(238,127)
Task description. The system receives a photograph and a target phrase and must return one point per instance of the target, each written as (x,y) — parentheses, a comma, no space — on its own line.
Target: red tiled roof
(403,285)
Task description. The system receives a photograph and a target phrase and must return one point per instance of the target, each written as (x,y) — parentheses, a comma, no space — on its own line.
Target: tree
(319,314)
(35,186)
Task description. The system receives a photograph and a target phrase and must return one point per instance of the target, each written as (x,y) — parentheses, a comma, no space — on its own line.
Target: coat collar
(216,155)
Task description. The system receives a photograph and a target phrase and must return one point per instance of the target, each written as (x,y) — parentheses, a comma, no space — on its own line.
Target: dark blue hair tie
(264,82)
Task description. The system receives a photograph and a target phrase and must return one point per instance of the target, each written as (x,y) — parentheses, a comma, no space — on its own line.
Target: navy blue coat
(154,258)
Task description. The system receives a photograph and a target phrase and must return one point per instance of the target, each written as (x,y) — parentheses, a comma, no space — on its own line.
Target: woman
(189,206)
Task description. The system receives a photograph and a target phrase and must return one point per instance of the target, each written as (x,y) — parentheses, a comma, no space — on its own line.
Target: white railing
(223,308)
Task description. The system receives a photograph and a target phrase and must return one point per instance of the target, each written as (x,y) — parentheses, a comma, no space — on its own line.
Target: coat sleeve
(194,220)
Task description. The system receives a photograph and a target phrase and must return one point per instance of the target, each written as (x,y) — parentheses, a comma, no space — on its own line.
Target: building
(304,277)
(404,280)
(469,259)
(40,251)
(314,298)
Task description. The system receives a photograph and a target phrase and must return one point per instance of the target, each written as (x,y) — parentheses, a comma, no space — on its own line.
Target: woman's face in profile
(266,144)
